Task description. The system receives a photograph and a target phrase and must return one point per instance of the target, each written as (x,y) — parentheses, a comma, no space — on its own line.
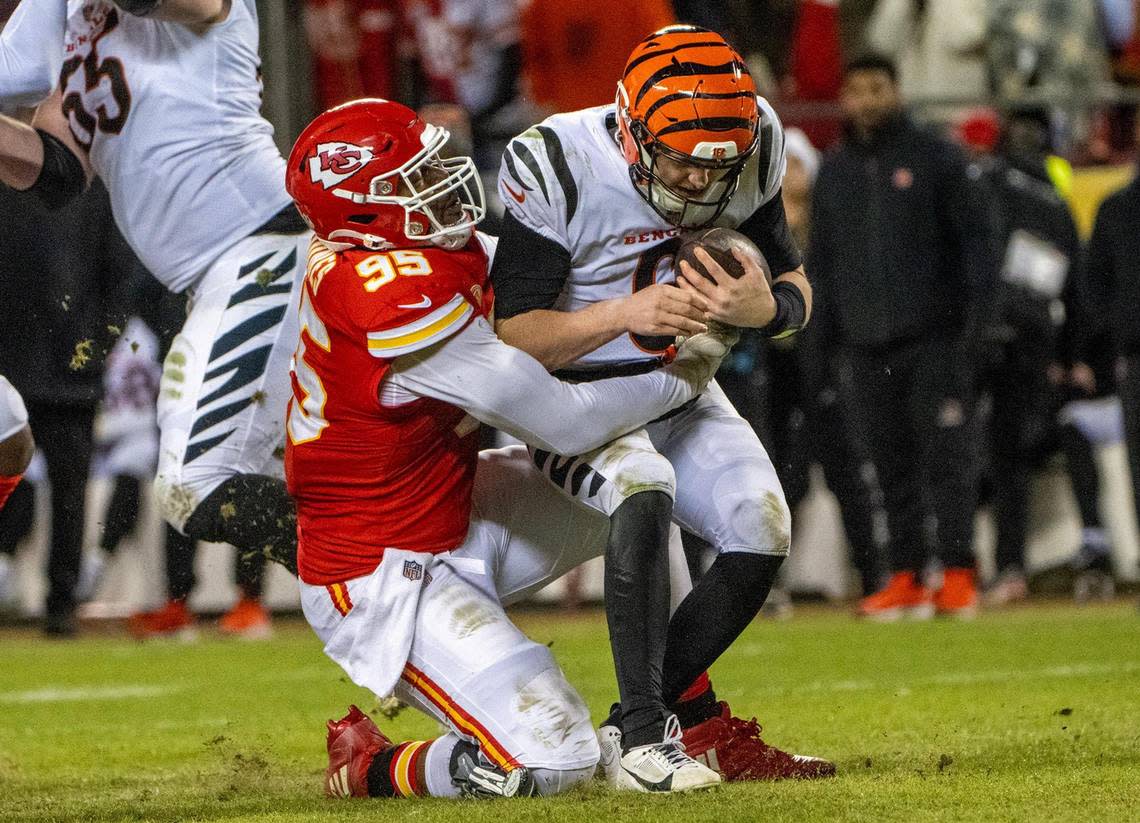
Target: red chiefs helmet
(369,173)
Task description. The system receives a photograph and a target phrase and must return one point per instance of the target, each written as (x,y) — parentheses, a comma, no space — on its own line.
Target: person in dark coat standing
(1112,299)
(1030,343)
(903,259)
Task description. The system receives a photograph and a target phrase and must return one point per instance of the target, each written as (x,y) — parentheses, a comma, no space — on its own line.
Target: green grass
(1026,715)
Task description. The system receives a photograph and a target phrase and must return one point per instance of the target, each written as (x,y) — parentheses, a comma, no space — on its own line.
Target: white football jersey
(171,120)
(567,180)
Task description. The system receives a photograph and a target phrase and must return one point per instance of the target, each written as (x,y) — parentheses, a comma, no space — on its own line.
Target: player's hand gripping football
(746,301)
(664,309)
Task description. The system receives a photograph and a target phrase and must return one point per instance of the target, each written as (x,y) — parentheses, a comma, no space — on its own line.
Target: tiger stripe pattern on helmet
(686,86)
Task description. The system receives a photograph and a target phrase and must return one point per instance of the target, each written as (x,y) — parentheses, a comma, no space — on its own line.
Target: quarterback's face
(686,178)
(869,99)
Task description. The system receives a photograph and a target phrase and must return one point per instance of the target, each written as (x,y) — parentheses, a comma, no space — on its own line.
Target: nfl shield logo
(413,570)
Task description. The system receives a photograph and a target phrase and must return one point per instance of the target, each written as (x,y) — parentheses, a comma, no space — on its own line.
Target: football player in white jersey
(161,99)
(597,201)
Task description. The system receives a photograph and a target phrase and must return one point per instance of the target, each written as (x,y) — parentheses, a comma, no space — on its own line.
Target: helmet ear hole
(629,148)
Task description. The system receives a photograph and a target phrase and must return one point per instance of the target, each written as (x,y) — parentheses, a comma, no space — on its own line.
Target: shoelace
(749,728)
(671,748)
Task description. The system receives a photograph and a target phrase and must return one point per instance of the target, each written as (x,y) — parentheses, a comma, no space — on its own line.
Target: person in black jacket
(902,256)
(1030,343)
(1112,299)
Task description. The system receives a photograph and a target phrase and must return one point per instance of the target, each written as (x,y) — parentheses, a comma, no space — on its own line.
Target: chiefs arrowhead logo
(336,162)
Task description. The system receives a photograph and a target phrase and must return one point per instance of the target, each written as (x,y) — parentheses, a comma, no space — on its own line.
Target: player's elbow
(523,333)
(24,83)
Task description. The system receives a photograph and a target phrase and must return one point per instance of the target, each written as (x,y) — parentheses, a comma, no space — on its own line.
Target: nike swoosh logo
(423,304)
(519,197)
(660,786)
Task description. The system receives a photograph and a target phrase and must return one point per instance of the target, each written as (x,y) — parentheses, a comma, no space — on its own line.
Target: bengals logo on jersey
(336,162)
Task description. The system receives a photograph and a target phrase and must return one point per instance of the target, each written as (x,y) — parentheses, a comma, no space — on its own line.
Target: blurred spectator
(352,42)
(1094,418)
(1126,67)
(817,59)
(902,262)
(854,16)
(573,51)
(1112,294)
(816,68)
(467,51)
(61,275)
(716,17)
(939,47)
(1051,50)
(1040,252)
(760,30)
(1126,72)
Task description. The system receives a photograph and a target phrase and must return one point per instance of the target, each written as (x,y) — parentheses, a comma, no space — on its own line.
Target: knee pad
(176,502)
(604,478)
(554,781)
(759,523)
(628,472)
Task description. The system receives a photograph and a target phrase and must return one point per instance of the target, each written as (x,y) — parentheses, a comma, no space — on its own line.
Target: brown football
(719,243)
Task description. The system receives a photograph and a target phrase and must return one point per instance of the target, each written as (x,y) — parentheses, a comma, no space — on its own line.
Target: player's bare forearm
(21,154)
(558,338)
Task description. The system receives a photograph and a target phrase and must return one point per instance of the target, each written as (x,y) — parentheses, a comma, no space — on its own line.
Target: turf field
(1026,715)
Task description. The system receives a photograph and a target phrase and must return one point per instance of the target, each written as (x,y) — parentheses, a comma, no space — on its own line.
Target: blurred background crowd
(1009,284)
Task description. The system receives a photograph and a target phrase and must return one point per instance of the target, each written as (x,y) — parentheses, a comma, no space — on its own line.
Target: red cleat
(172,620)
(903,596)
(352,743)
(733,747)
(248,620)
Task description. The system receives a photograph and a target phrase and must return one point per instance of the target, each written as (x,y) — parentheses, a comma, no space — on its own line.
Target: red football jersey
(366,476)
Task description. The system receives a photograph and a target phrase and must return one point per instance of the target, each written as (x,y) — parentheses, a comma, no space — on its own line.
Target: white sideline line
(968,678)
(63,695)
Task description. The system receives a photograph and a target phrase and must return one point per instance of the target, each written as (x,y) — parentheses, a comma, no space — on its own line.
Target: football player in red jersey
(410,541)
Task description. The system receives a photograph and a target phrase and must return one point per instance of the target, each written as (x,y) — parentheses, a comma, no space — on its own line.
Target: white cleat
(663,767)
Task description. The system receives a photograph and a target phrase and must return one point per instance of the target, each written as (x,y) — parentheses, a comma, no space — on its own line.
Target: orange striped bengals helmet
(686,95)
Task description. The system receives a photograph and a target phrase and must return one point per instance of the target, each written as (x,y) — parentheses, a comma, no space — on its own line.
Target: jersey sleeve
(31,52)
(533,260)
(536,185)
(398,315)
(772,153)
(767,227)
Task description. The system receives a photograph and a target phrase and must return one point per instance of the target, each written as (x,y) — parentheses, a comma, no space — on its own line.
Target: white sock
(437,767)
